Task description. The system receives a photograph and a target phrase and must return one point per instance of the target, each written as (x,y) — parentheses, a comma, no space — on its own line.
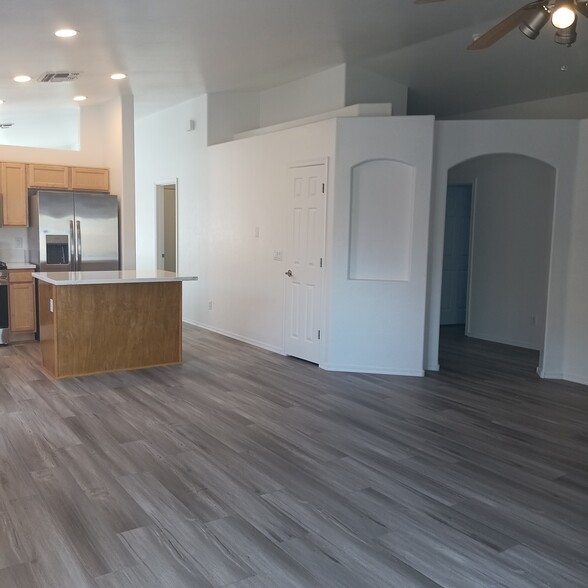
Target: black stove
(2,265)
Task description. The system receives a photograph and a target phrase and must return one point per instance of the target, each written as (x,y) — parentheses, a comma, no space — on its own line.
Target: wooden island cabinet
(95,322)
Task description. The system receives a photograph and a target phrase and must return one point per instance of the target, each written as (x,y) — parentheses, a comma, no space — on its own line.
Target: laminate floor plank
(244,468)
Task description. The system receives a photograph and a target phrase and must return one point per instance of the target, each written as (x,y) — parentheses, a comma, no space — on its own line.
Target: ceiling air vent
(59,76)
(6,125)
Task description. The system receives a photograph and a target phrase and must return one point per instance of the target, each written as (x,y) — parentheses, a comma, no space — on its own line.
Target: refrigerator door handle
(72,247)
(79,245)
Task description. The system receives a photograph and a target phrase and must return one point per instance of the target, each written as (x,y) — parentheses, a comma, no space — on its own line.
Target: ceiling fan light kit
(533,25)
(566,36)
(563,14)
(531,18)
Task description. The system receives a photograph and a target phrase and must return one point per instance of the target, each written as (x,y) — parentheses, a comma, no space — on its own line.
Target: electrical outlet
(210,305)
(18,243)
(277,256)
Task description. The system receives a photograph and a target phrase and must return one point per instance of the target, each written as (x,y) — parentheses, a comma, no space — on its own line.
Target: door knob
(289,273)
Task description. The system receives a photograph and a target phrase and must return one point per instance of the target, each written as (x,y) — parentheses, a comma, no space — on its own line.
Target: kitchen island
(96,322)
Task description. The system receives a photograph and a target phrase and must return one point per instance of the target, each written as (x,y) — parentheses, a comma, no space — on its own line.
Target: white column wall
(166,151)
(575,367)
(378,326)
(554,142)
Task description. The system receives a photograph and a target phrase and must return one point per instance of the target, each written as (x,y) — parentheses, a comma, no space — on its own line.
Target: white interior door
(456,255)
(305,269)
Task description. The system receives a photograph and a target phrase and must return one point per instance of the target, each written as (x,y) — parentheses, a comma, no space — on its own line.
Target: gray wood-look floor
(243,468)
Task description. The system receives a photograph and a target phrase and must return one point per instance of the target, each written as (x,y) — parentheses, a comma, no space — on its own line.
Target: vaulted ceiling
(176,49)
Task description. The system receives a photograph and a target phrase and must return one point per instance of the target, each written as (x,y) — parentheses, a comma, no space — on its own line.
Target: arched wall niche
(381,220)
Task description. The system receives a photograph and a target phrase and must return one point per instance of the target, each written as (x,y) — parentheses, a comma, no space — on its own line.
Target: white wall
(378,326)
(48,129)
(248,189)
(166,151)
(365,87)
(116,136)
(230,113)
(91,153)
(554,142)
(313,94)
(575,366)
(512,212)
(571,106)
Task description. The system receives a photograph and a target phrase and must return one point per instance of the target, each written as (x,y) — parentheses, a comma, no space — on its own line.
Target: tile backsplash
(13,244)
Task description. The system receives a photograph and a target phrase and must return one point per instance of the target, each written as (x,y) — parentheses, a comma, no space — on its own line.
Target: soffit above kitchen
(178,49)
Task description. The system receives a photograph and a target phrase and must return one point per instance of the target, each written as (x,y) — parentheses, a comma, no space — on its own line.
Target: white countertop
(19,265)
(111,277)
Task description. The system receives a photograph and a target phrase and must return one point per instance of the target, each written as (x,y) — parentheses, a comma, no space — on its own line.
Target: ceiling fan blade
(582,8)
(504,26)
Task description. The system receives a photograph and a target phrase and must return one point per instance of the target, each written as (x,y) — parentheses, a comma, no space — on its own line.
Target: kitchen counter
(110,277)
(96,322)
(19,265)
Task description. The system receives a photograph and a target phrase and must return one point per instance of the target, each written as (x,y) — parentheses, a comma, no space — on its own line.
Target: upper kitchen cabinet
(90,178)
(15,208)
(48,176)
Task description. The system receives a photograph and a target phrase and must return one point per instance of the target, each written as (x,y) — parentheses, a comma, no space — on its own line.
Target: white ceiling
(173,50)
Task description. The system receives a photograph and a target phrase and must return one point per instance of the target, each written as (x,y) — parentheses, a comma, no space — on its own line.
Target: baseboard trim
(369,369)
(232,335)
(575,378)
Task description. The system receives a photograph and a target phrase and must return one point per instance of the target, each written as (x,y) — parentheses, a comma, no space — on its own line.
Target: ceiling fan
(531,18)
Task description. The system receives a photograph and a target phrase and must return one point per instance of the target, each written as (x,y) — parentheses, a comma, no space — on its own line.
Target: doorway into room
(456,251)
(496,258)
(167,247)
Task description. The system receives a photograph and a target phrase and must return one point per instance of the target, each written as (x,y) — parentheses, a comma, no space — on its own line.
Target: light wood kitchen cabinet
(90,178)
(48,176)
(15,202)
(21,301)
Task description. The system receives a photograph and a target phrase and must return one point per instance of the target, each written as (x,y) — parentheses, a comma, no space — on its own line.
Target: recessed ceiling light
(66,33)
(118,76)
(564,68)
(79,98)
(22,79)
(1,101)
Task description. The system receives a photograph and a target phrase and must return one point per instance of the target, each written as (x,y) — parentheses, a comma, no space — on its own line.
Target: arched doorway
(506,246)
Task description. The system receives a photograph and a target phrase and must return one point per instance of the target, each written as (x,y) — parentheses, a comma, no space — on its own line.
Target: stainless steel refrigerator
(73,231)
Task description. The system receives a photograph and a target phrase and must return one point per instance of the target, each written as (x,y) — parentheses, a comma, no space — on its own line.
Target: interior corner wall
(576,336)
(512,213)
(165,152)
(555,143)
(366,87)
(314,94)
(117,139)
(249,204)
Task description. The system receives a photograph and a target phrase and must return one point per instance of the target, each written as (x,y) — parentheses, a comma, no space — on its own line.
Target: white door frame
(159,186)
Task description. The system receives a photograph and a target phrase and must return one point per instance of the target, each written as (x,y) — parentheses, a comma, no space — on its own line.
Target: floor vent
(59,76)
